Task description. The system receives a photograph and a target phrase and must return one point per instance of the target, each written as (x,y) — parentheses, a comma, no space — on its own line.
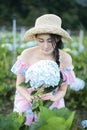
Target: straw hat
(48,23)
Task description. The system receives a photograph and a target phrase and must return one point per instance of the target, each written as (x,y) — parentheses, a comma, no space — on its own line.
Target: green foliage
(78,99)
(28,11)
(12,121)
(57,119)
(54,123)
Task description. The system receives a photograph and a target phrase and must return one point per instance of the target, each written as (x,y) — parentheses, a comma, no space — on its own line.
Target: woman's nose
(45,45)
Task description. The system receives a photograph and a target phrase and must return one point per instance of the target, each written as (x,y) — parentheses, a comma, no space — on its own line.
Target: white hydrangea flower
(79,84)
(44,72)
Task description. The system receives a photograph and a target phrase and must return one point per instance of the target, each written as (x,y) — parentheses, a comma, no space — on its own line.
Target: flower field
(75,100)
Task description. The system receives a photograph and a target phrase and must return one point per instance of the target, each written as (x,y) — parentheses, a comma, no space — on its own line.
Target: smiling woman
(48,33)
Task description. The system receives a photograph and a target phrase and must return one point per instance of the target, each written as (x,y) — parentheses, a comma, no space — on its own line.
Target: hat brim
(30,34)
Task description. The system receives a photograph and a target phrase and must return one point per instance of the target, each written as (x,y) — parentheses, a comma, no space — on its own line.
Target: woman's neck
(44,56)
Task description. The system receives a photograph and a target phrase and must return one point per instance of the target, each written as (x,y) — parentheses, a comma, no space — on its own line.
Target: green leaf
(50,89)
(35,126)
(45,114)
(35,104)
(63,112)
(56,119)
(27,85)
(54,123)
(47,103)
(12,121)
(69,121)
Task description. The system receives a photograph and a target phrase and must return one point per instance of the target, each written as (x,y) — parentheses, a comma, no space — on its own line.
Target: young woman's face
(45,43)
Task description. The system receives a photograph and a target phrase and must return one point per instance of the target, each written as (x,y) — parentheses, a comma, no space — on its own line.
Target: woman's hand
(56,96)
(49,96)
(30,98)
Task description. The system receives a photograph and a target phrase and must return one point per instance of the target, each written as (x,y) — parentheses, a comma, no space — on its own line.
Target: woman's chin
(47,52)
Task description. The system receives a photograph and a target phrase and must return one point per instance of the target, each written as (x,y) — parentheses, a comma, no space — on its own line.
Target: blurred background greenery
(73,14)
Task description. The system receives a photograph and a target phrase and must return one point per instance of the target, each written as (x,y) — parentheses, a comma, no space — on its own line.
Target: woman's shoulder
(28,53)
(65,59)
(65,55)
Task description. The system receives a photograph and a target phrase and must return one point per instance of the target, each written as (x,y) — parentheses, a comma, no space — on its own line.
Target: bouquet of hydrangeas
(44,73)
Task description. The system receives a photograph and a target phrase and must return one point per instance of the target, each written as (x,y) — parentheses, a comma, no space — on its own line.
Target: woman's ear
(57,40)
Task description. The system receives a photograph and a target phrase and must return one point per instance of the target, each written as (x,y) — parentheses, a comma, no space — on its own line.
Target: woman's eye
(40,40)
(49,41)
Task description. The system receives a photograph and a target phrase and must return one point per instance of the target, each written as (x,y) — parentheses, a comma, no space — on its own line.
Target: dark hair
(57,45)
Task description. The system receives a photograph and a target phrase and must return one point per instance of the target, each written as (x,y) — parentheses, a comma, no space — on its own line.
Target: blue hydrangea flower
(44,72)
(79,84)
(84,124)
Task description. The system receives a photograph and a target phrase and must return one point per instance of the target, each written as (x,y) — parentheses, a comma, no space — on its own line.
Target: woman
(48,33)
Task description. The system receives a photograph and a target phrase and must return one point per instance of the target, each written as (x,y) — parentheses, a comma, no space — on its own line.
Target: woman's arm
(22,90)
(57,96)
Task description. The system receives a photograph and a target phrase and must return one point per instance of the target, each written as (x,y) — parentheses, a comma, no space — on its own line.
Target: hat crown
(48,20)
(47,23)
